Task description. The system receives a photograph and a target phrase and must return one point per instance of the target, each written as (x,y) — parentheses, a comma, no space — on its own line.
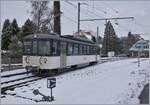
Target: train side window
(84,49)
(27,47)
(88,50)
(70,48)
(92,50)
(75,49)
(58,48)
(43,47)
(80,49)
(54,47)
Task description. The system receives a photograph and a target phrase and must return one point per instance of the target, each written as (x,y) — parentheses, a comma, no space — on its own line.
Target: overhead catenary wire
(71,17)
(94,10)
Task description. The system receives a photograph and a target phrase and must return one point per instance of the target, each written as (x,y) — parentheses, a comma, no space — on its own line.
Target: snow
(5,79)
(13,72)
(17,64)
(107,83)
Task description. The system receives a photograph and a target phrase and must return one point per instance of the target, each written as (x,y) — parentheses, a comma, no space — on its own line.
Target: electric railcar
(54,52)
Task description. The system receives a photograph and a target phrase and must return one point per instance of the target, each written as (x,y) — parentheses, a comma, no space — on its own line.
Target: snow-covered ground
(13,72)
(107,83)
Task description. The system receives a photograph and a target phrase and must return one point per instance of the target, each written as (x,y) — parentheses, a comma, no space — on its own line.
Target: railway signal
(51,83)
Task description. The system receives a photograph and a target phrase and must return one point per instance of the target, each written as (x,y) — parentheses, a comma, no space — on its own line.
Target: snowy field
(108,83)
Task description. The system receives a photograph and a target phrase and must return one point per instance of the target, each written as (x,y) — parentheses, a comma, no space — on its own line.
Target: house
(129,41)
(140,47)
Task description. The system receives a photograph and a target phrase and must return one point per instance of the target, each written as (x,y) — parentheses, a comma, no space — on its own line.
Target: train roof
(57,37)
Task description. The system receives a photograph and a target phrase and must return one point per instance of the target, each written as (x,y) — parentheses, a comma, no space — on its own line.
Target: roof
(142,45)
(68,38)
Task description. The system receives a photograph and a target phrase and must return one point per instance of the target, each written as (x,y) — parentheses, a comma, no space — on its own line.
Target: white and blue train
(54,52)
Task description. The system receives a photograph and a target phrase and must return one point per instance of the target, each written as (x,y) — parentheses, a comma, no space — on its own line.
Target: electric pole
(79,4)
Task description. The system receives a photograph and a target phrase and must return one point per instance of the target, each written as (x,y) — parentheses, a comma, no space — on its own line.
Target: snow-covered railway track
(5,68)
(18,83)
(4,81)
(26,79)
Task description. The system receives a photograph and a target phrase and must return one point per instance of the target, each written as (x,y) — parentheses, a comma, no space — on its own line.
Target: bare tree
(42,16)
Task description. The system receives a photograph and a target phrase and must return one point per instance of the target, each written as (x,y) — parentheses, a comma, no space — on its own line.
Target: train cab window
(54,47)
(27,47)
(34,50)
(44,47)
(70,48)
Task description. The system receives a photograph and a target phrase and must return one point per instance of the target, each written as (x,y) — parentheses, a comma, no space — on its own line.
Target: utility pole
(78,18)
(57,26)
(79,4)
(97,42)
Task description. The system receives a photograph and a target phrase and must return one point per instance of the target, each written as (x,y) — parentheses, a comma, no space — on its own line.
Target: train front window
(27,47)
(44,47)
(34,47)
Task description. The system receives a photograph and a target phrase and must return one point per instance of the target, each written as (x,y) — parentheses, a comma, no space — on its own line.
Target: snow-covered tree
(27,28)
(5,35)
(15,47)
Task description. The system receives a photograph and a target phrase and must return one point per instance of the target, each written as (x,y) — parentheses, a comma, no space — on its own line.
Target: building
(129,41)
(141,47)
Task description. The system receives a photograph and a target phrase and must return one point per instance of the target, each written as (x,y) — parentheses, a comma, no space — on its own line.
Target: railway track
(10,67)
(13,80)
(20,83)
(22,80)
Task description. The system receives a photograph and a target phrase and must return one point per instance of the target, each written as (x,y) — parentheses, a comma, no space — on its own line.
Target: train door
(63,54)
(34,51)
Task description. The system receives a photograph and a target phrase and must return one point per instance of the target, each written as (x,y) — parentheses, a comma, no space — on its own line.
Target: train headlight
(42,60)
(27,59)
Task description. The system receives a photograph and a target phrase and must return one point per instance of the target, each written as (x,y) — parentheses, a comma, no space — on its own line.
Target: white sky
(94,9)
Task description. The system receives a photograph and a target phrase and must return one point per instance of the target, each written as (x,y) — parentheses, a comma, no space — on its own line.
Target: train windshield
(27,47)
(44,47)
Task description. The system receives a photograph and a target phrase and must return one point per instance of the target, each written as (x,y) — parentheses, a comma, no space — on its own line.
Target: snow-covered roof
(85,34)
(142,45)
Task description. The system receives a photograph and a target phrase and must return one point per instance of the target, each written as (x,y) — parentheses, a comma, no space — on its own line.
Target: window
(80,49)
(75,50)
(27,47)
(34,51)
(94,50)
(88,50)
(44,47)
(54,47)
(70,48)
(84,48)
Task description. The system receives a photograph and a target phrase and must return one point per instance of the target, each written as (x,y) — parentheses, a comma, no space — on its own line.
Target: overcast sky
(92,9)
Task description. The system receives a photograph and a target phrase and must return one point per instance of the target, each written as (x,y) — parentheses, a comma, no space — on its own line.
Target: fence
(5,59)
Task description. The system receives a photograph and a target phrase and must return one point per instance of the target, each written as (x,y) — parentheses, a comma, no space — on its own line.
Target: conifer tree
(109,40)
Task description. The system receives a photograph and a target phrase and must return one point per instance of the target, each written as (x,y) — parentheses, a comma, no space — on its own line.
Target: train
(52,52)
